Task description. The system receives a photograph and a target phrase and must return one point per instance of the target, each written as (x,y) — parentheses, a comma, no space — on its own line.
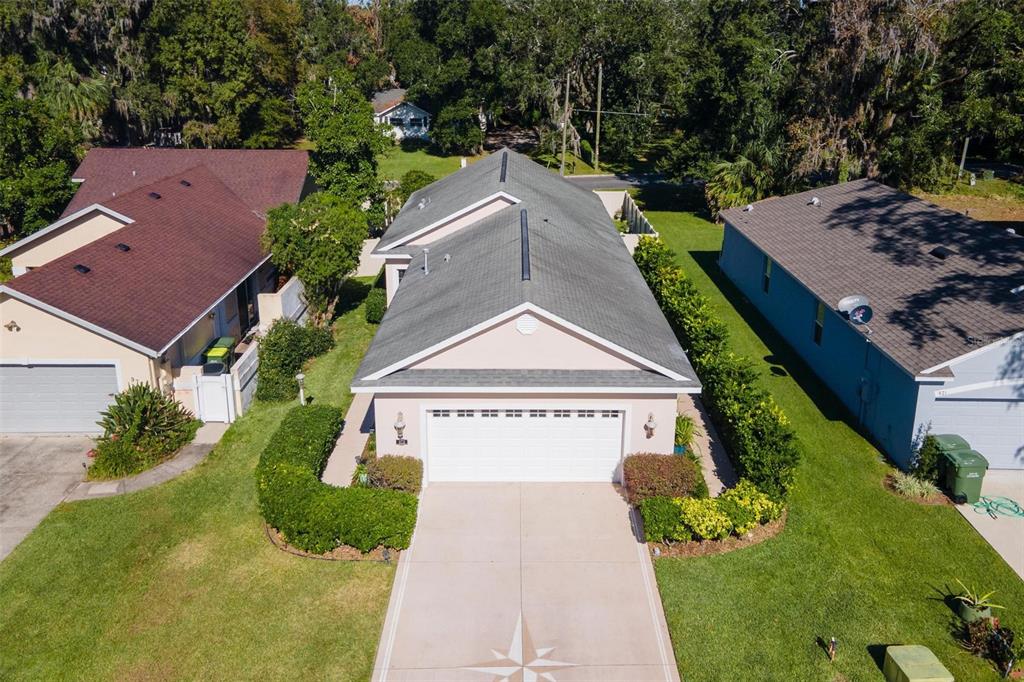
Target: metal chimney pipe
(426,265)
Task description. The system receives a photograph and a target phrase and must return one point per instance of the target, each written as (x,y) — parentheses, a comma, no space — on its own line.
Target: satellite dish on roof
(856,309)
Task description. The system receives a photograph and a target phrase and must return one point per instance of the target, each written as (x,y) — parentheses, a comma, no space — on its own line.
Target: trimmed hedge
(312,515)
(283,350)
(395,472)
(376,305)
(647,475)
(736,511)
(756,433)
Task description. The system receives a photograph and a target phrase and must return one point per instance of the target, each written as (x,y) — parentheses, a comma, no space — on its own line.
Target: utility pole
(597,132)
(565,123)
(963,158)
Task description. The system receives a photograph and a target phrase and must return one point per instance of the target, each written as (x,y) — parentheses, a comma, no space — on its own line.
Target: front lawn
(396,162)
(854,562)
(179,581)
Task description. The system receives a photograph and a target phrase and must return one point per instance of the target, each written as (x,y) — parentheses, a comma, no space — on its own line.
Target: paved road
(36,472)
(623,181)
(524,581)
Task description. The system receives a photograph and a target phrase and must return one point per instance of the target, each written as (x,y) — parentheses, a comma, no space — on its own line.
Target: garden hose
(999,506)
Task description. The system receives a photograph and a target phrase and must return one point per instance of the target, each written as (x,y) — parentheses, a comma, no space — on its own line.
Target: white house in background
(405,118)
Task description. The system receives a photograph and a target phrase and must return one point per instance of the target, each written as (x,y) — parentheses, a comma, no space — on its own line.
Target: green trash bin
(948,442)
(965,470)
(224,342)
(217,354)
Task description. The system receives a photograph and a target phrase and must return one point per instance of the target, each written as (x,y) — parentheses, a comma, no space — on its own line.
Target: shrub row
(736,511)
(395,472)
(756,433)
(312,515)
(648,475)
(283,350)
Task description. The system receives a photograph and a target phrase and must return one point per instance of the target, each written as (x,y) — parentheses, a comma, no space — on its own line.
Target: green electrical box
(913,663)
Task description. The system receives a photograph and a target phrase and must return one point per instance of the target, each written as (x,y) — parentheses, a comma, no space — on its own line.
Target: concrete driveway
(36,472)
(1004,533)
(524,581)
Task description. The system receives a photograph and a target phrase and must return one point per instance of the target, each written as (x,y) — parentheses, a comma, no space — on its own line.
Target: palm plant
(752,175)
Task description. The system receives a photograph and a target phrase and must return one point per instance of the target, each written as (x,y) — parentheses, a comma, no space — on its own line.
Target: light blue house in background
(943,344)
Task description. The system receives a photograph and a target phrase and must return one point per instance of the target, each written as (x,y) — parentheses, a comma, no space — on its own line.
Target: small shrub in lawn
(662,521)
(651,475)
(927,460)
(376,305)
(312,515)
(704,518)
(913,487)
(395,472)
(283,350)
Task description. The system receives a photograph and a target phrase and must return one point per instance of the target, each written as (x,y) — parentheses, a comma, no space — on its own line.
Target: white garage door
(524,444)
(995,428)
(54,398)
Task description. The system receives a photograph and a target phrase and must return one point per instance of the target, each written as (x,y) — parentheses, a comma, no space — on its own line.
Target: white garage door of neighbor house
(54,398)
(524,445)
(995,428)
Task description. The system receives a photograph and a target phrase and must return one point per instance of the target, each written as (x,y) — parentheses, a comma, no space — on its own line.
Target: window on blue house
(767,279)
(819,322)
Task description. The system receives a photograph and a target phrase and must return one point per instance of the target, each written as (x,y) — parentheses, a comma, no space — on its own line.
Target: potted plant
(972,605)
(686,429)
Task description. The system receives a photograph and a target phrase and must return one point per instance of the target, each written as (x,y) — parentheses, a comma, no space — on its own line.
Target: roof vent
(426,264)
(185,183)
(815,201)
(524,237)
(504,166)
(1017,291)
(942,252)
(121,246)
(82,269)
(154,195)
(748,208)
(1012,232)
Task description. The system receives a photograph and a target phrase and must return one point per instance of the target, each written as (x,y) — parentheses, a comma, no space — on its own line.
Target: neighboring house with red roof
(405,118)
(157,256)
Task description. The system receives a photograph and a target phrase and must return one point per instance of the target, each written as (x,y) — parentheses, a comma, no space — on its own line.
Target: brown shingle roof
(261,178)
(867,238)
(385,99)
(188,248)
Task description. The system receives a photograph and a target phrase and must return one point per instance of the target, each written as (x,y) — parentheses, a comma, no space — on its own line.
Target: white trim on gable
(509,314)
(461,213)
(68,317)
(977,351)
(64,221)
(658,390)
(968,388)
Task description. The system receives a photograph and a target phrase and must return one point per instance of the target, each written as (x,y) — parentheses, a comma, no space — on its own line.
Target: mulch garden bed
(680,550)
(931,500)
(381,555)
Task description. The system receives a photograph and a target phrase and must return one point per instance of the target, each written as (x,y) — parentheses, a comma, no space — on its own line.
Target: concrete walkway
(524,581)
(189,456)
(715,463)
(358,421)
(1004,533)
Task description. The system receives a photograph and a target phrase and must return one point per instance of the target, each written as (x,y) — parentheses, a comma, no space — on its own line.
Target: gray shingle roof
(580,270)
(867,238)
(535,378)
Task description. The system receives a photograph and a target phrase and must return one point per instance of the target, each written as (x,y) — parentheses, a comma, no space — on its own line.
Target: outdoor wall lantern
(650,425)
(400,430)
(301,378)
(12,326)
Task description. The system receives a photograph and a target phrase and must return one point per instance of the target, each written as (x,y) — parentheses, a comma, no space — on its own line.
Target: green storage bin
(948,442)
(913,663)
(965,471)
(217,354)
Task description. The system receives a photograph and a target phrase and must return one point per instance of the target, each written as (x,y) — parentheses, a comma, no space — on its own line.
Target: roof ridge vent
(154,195)
(504,166)
(524,238)
(942,252)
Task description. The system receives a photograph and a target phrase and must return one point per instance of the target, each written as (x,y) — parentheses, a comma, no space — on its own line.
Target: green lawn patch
(398,161)
(855,561)
(180,582)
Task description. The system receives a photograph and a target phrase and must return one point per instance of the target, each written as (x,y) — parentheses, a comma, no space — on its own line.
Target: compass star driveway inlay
(524,582)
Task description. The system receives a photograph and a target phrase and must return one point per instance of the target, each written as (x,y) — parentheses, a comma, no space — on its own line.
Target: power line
(605,111)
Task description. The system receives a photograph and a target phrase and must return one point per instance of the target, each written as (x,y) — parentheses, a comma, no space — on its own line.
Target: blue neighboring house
(944,348)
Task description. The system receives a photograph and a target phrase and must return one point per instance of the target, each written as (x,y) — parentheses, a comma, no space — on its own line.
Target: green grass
(397,162)
(179,581)
(854,562)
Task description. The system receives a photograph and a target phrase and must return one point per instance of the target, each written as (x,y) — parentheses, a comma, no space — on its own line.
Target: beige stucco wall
(457,224)
(392,266)
(41,336)
(548,347)
(75,234)
(413,407)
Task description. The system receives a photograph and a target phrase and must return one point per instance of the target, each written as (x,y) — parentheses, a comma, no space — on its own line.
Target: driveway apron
(524,581)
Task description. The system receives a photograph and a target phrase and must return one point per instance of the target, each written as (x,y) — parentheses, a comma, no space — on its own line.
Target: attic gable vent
(154,195)
(82,269)
(121,246)
(942,252)
(526,324)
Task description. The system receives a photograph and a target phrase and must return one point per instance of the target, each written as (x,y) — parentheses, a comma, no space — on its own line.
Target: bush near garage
(647,475)
(316,517)
(376,305)
(395,472)
(756,433)
(141,428)
(283,350)
(735,512)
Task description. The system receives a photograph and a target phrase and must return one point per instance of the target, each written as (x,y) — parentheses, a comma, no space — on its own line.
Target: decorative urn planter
(969,613)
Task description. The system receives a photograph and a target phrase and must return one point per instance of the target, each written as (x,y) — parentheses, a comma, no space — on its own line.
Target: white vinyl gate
(524,444)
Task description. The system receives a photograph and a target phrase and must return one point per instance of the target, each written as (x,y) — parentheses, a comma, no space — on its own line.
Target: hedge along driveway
(179,581)
(854,561)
